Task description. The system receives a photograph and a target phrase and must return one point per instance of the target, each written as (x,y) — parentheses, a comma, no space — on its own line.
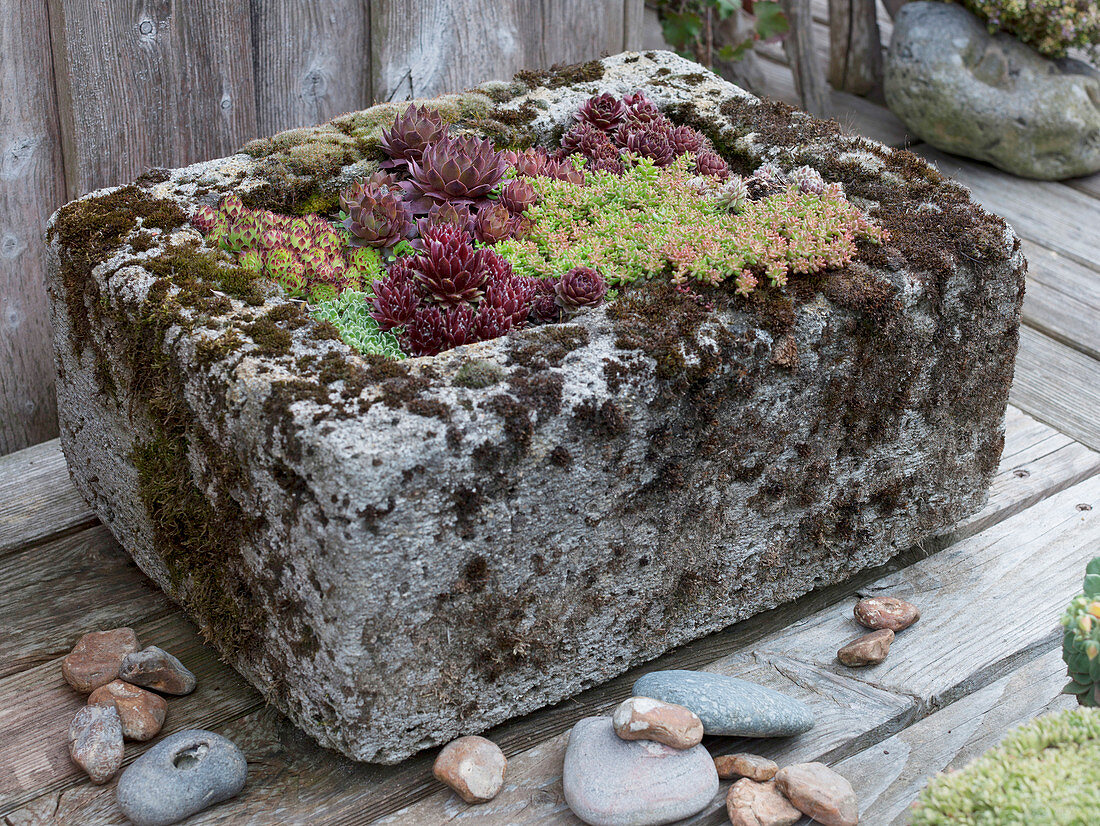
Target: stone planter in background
(397,553)
(991,97)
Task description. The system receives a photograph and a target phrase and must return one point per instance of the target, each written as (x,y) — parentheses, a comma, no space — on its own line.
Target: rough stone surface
(727,705)
(155,668)
(643,718)
(609,781)
(752,766)
(886,612)
(95,659)
(184,773)
(991,97)
(95,742)
(472,766)
(142,712)
(749,803)
(568,501)
(818,791)
(870,649)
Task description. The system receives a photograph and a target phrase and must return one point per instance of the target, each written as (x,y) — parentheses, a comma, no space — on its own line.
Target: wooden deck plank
(37,499)
(56,592)
(1032,561)
(1058,385)
(1062,299)
(888,776)
(306,779)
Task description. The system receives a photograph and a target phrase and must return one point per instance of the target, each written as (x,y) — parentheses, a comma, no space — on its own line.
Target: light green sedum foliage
(350,313)
(1045,773)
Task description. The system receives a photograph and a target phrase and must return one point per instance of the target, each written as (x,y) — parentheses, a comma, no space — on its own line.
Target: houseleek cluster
(1081,641)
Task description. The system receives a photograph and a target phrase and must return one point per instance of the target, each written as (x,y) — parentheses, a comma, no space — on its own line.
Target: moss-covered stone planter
(396,553)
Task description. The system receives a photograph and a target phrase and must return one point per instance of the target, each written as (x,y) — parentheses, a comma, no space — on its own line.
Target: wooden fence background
(94,92)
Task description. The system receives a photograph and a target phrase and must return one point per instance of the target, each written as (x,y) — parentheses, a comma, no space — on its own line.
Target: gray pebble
(181,775)
(728,706)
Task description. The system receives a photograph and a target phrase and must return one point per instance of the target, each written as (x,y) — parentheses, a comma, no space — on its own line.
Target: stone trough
(397,553)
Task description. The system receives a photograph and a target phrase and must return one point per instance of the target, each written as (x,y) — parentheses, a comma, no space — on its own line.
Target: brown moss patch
(560,75)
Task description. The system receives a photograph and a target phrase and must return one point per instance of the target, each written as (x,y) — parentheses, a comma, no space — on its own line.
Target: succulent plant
(377,214)
(586,139)
(635,98)
(544,306)
(450,269)
(493,224)
(491,322)
(708,163)
(232,207)
(1081,642)
(459,325)
(517,195)
(652,143)
(512,297)
(425,333)
(580,287)
(808,180)
(462,170)
(395,300)
(530,162)
(685,139)
(204,219)
(602,111)
(413,131)
(767,180)
(448,213)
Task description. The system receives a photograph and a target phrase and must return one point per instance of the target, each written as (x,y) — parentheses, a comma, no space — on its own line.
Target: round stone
(155,668)
(643,718)
(184,773)
(990,96)
(473,767)
(818,791)
(609,781)
(749,803)
(95,742)
(752,766)
(886,612)
(96,658)
(870,649)
(728,706)
(142,711)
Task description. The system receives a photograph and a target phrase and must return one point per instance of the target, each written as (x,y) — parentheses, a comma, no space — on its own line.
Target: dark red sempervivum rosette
(396,298)
(462,170)
(493,224)
(585,139)
(708,163)
(580,287)
(490,322)
(412,132)
(448,213)
(602,111)
(517,195)
(459,325)
(425,334)
(544,306)
(652,143)
(450,269)
(685,139)
(377,214)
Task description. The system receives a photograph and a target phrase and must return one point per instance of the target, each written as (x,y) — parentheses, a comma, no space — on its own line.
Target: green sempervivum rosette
(1081,643)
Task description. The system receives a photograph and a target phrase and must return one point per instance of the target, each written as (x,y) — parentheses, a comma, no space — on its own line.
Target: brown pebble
(95,742)
(473,767)
(870,649)
(142,712)
(643,718)
(155,668)
(886,612)
(749,803)
(95,660)
(818,791)
(752,766)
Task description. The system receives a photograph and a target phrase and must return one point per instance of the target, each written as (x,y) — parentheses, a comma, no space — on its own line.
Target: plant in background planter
(429,466)
(1081,643)
(1011,98)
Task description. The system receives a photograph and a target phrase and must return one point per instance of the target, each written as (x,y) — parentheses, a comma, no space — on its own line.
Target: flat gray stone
(991,97)
(727,705)
(184,773)
(609,781)
(359,540)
